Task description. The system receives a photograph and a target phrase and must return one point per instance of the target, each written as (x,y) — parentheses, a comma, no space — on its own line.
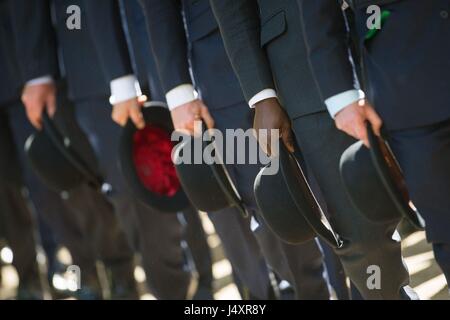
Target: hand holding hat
(352,120)
(37,98)
(129,109)
(269,115)
(185,115)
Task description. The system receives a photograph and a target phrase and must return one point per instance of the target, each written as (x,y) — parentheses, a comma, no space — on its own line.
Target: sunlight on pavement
(426,277)
(230,292)
(419,267)
(413,239)
(221,269)
(430,288)
(6,255)
(139,274)
(147,296)
(419,258)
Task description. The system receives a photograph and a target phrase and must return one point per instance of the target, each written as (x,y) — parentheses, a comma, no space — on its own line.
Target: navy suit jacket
(43,45)
(10,78)
(406,64)
(82,66)
(122,29)
(26,45)
(196,49)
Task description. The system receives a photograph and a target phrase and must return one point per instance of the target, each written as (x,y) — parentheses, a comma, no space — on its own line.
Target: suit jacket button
(444,14)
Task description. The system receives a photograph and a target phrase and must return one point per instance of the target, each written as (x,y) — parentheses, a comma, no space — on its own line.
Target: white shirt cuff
(180,95)
(41,80)
(340,101)
(124,88)
(262,95)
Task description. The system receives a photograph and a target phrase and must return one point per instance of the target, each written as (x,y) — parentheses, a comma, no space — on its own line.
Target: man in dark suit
(248,264)
(20,184)
(220,104)
(264,41)
(406,82)
(135,28)
(156,236)
(35,48)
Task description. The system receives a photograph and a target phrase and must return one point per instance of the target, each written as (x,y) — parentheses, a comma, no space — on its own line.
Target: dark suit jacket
(10,77)
(135,27)
(82,66)
(198,46)
(126,28)
(34,38)
(39,36)
(264,41)
(406,64)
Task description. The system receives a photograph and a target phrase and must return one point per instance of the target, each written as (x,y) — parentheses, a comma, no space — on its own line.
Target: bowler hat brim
(55,161)
(208,186)
(390,173)
(288,205)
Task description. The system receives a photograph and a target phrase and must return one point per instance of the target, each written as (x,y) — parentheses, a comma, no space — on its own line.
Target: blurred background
(426,277)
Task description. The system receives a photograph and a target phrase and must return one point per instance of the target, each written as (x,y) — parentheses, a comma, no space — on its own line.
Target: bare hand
(270,115)
(129,109)
(352,120)
(36,98)
(184,116)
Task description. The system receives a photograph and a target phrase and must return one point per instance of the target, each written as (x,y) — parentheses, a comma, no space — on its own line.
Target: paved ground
(426,277)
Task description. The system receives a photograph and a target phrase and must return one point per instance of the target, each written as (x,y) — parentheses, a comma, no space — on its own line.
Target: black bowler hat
(288,205)
(207,184)
(146,163)
(375,183)
(55,161)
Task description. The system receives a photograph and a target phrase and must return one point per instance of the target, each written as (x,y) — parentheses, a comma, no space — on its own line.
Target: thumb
(51,105)
(136,117)
(288,138)
(264,140)
(374,120)
(206,116)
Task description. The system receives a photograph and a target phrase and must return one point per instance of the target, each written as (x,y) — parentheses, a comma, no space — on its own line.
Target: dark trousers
(366,244)
(18,227)
(301,265)
(424,156)
(20,232)
(242,250)
(196,239)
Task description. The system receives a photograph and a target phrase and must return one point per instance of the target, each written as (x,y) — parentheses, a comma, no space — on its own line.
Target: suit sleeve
(326,39)
(34,38)
(105,27)
(168,41)
(239,24)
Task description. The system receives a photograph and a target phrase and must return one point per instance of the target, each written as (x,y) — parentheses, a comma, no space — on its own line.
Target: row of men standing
(39,51)
(265,42)
(293,61)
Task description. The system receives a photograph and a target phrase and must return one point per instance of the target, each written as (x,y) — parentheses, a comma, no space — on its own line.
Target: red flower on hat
(152,149)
